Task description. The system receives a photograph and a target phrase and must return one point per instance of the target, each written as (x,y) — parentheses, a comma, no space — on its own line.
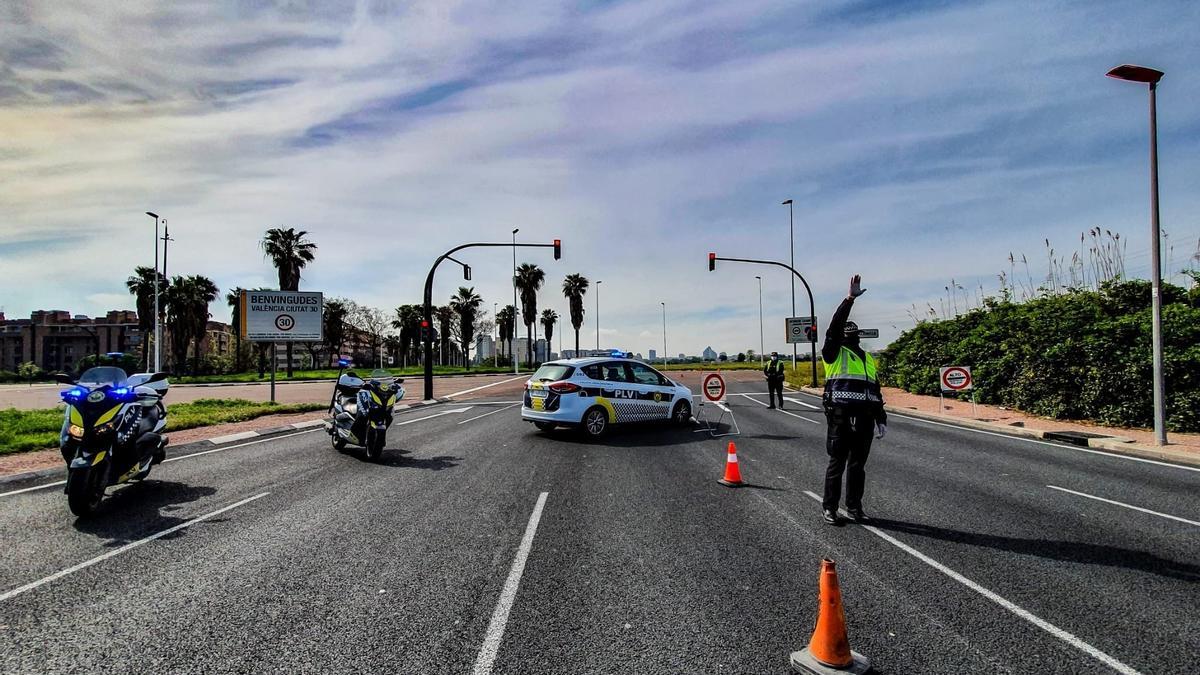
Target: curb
(1115,444)
(212,442)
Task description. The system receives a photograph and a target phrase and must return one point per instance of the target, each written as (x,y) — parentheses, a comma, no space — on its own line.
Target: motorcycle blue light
(74,395)
(121,393)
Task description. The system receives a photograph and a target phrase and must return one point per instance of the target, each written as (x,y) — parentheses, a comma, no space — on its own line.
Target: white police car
(592,393)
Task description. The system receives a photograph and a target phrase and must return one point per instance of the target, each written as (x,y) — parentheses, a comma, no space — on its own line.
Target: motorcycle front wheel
(85,489)
(375,443)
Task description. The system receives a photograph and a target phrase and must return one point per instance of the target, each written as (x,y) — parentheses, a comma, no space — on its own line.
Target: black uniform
(851,422)
(774,373)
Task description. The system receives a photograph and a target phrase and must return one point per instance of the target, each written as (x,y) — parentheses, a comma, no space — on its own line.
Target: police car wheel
(545,426)
(682,414)
(595,422)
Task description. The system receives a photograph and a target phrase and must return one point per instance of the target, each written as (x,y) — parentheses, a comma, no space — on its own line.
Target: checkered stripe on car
(638,411)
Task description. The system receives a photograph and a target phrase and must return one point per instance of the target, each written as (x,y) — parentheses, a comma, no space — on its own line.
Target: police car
(593,393)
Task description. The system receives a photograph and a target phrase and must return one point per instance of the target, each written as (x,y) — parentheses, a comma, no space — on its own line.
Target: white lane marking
(490,413)
(799,417)
(799,402)
(118,551)
(1128,506)
(1053,445)
(486,386)
(495,629)
(172,459)
(429,417)
(1015,609)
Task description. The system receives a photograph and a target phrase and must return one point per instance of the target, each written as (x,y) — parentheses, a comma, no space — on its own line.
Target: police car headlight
(75,431)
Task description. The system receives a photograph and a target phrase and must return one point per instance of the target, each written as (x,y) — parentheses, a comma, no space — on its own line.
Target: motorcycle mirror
(156,377)
(400,381)
(63,378)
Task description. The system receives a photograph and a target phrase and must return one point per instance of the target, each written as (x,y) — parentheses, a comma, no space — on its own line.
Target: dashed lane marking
(1123,504)
(477,417)
(495,629)
(488,386)
(799,417)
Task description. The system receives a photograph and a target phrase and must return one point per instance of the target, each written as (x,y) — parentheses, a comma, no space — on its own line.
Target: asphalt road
(481,545)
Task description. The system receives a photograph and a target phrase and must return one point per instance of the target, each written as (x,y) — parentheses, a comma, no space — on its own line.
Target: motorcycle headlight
(75,431)
(105,428)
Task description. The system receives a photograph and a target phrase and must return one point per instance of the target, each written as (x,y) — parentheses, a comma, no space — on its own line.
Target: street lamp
(598,315)
(157,288)
(664,305)
(1151,77)
(513,352)
(496,333)
(792,253)
(762,344)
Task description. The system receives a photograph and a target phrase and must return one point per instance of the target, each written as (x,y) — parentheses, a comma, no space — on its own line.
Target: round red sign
(714,387)
(956,378)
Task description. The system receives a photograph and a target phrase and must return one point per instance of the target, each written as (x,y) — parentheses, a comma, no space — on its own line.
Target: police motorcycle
(112,431)
(362,409)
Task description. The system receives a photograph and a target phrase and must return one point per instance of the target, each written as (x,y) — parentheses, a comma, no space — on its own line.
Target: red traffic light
(424,324)
(712,261)
(557,249)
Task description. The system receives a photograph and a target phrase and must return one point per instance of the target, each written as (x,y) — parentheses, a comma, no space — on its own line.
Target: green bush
(1079,355)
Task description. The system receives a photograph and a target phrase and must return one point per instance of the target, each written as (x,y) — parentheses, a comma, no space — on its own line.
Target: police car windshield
(553,372)
(103,375)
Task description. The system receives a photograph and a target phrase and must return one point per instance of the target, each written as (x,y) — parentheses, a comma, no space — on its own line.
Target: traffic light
(712,261)
(467,272)
(810,332)
(557,249)
(424,331)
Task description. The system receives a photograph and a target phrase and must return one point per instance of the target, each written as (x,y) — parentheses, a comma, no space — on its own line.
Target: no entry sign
(714,387)
(955,378)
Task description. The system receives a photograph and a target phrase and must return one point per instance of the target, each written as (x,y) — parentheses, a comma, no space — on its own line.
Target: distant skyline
(921,142)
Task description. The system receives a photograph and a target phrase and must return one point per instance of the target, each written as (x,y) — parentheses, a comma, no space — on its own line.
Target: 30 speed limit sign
(955,378)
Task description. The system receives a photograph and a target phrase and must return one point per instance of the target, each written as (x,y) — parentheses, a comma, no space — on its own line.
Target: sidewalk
(1183,448)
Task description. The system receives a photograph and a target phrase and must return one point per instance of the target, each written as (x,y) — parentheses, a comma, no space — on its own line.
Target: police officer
(774,372)
(853,407)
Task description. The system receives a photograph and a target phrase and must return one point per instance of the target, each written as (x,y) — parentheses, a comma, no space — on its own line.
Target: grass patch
(23,430)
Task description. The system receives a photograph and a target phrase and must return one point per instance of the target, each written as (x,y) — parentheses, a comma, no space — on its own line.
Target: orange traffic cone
(733,475)
(829,649)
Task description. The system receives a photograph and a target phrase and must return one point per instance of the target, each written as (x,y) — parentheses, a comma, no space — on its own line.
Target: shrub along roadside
(1079,355)
(22,430)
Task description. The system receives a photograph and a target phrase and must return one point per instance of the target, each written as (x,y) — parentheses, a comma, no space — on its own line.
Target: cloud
(920,144)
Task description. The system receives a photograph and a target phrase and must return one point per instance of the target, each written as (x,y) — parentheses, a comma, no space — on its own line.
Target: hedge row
(1079,355)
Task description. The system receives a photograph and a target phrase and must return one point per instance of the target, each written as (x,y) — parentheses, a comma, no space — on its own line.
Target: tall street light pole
(792,253)
(515,311)
(598,315)
(1151,77)
(496,333)
(157,288)
(762,343)
(664,305)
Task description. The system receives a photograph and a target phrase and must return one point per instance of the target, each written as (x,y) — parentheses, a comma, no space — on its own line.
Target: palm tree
(574,288)
(506,320)
(444,317)
(334,319)
(466,304)
(201,292)
(289,251)
(549,318)
(179,324)
(408,322)
(141,286)
(234,299)
(530,278)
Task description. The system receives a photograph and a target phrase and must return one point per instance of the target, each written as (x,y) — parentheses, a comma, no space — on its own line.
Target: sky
(920,141)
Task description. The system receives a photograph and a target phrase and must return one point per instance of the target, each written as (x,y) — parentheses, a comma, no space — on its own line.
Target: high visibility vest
(775,367)
(850,379)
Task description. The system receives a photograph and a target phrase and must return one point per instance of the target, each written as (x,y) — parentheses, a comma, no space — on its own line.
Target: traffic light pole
(812,306)
(427,312)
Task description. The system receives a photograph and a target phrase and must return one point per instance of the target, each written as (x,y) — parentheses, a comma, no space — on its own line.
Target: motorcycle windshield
(103,375)
(380,375)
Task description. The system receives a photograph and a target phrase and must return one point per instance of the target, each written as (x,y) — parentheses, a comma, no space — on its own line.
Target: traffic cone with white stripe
(733,475)
(828,652)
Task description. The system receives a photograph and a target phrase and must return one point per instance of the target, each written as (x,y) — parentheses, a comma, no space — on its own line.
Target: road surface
(481,545)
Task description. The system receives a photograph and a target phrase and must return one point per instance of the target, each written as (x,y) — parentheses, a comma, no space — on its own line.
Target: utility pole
(792,263)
